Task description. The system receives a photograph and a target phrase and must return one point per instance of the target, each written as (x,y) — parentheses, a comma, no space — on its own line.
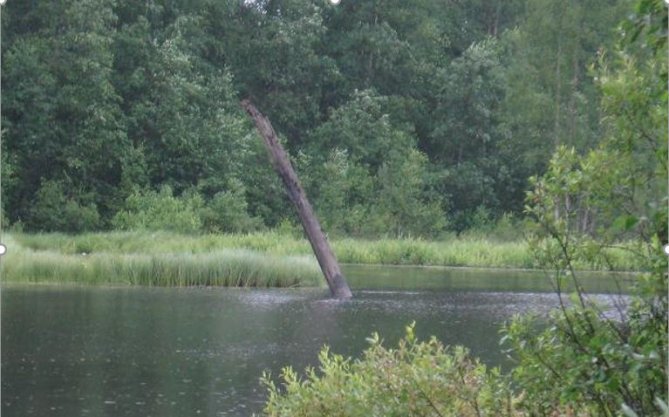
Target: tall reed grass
(224,267)
(471,251)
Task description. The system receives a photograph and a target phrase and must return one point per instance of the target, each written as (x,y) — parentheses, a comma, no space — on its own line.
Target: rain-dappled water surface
(73,351)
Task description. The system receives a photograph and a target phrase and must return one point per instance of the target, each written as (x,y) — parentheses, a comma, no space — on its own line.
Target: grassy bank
(219,267)
(263,247)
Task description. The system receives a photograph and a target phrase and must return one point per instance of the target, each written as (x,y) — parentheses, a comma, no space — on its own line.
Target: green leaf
(625,222)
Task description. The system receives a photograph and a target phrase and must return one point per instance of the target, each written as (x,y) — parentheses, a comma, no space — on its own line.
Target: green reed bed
(451,253)
(465,252)
(238,268)
(407,251)
(162,242)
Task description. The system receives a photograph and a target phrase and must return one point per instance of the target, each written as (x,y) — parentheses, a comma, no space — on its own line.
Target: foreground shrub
(581,365)
(589,361)
(590,207)
(415,379)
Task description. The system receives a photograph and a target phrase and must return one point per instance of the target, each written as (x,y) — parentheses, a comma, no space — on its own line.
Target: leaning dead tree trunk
(281,163)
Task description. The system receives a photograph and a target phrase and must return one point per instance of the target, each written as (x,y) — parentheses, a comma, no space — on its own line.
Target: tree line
(402,118)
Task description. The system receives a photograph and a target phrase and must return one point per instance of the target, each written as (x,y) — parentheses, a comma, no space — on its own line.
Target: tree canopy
(402,118)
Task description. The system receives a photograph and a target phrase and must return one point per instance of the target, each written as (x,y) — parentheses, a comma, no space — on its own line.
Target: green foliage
(151,210)
(228,212)
(416,378)
(63,117)
(274,51)
(469,139)
(364,129)
(342,190)
(8,182)
(403,206)
(551,99)
(373,182)
(505,229)
(589,362)
(582,206)
(648,22)
(587,203)
(54,210)
(107,97)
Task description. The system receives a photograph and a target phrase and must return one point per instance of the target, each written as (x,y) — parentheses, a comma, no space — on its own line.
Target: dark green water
(472,279)
(73,351)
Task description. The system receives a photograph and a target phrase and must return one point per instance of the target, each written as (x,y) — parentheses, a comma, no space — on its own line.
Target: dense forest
(402,118)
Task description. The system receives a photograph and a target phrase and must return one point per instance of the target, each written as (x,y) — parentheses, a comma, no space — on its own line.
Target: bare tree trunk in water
(281,164)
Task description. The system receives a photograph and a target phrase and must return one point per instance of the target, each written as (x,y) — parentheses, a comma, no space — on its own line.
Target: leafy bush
(150,210)
(54,210)
(288,229)
(585,205)
(416,379)
(228,212)
(403,206)
(482,225)
(584,361)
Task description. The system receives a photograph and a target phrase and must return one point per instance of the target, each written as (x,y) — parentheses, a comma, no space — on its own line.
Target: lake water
(82,351)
